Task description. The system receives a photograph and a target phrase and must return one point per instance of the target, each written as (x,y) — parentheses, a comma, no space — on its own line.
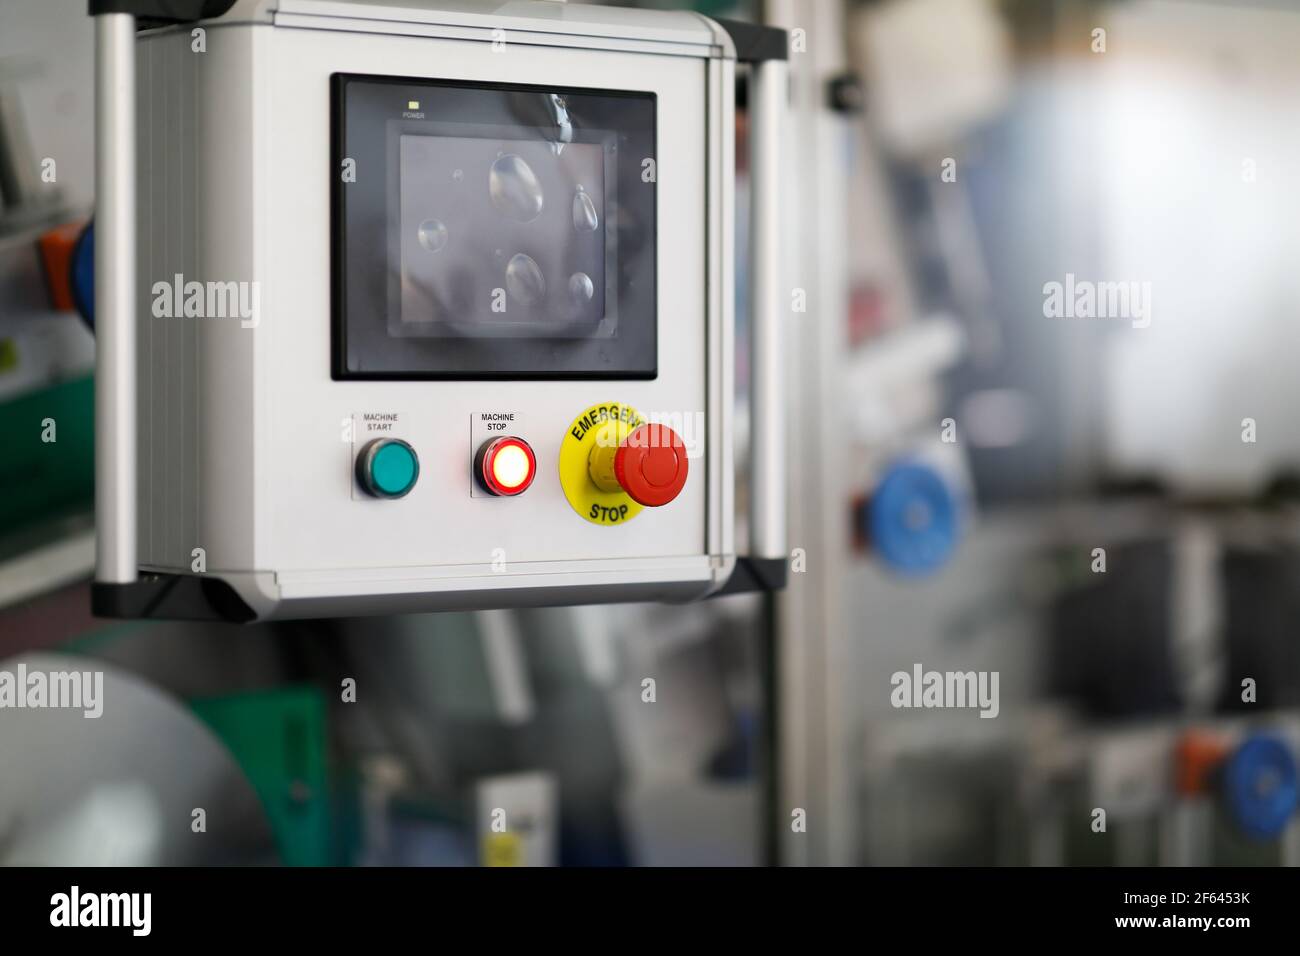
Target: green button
(390,468)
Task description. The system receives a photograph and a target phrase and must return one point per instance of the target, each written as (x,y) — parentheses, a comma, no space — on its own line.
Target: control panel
(483,351)
(612,463)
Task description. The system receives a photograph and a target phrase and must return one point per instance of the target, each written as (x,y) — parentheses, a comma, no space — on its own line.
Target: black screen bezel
(632,354)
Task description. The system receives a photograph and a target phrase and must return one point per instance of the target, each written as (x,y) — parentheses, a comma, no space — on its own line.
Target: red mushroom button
(651,465)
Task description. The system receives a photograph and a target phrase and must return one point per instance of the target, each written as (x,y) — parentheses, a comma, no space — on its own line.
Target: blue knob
(1260,786)
(913,520)
(81,274)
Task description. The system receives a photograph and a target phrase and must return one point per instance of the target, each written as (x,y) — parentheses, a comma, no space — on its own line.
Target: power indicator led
(511,467)
(505,466)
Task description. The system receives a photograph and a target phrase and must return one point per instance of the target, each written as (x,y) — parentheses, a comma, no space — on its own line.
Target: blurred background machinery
(1100,508)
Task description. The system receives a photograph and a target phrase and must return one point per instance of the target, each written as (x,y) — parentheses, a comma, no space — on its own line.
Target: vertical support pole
(115,294)
(769,100)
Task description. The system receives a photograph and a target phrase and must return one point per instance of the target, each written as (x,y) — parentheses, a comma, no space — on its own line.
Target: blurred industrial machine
(1128,572)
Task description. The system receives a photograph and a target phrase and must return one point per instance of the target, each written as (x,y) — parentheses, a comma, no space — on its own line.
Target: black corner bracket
(755,43)
(171,597)
(163,12)
(755,574)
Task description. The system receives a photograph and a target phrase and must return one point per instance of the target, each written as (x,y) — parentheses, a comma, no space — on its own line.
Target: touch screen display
(492,231)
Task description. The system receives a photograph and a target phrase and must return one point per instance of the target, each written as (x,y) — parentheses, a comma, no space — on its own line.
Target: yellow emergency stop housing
(596,434)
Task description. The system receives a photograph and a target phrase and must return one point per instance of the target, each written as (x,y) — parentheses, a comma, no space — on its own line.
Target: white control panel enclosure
(246,441)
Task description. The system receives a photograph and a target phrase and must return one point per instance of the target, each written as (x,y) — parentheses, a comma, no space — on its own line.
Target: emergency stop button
(614,464)
(649,464)
(388,468)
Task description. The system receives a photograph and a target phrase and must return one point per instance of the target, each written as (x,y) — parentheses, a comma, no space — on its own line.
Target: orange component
(56,256)
(1196,755)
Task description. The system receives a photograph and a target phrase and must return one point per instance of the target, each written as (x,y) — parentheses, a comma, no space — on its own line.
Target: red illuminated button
(505,466)
(651,465)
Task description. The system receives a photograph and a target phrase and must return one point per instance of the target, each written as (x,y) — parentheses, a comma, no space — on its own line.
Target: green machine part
(278,738)
(47,469)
